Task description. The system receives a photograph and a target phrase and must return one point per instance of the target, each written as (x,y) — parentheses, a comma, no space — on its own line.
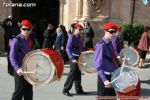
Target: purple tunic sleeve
(69,48)
(12,54)
(98,61)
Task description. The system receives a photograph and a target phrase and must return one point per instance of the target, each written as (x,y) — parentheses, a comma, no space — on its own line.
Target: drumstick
(122,67)
(123,64)
(29,72)
(120,71)
(115,79)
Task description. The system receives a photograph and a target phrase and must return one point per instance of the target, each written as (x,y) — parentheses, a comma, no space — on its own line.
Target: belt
(107,73)
(77,55)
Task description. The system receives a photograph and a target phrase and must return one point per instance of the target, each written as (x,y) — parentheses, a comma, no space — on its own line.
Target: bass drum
(42,66)
(86,62)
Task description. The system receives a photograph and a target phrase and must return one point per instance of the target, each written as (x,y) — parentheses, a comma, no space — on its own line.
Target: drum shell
(57,61)
(135,92)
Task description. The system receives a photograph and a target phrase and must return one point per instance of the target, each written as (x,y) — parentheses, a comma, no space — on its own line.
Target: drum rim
(26,76)
(83,69)
(114,84)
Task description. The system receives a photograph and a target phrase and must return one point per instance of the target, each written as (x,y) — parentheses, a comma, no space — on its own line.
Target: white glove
(20,72)
(107,84)
(74,61)
(62,48)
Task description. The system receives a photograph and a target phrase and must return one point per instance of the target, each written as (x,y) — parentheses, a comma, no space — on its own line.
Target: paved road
(53,91)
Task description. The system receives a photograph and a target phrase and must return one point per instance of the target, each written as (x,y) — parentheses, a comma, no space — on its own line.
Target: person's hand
(53,47)
(20,72)
(107,84)
(62,48)
(74,61)
(124,60)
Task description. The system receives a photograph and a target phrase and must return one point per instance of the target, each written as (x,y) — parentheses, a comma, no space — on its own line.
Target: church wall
(72,12)
(142,13)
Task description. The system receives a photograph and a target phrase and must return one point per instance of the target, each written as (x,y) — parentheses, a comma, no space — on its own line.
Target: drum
(86,62)
(131,54)
(126,83)
(42,66)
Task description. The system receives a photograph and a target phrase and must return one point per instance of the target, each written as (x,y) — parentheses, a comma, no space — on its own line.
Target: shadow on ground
(88,93)
(3,54)
(147,60)
(145,81)
(145,92)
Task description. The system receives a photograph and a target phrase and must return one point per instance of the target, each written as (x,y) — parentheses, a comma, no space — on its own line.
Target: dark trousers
(6,44)
(63,55)
(22,89)
(102,91)
(74,76)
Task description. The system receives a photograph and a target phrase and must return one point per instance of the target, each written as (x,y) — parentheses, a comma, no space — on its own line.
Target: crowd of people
(21,38)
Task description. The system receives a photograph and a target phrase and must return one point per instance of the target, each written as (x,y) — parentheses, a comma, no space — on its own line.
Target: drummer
(105,60)
(18,49)
(73,49)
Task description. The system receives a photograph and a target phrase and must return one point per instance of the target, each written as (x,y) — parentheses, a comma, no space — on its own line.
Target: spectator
(88,34)
(143,46)
(49,38)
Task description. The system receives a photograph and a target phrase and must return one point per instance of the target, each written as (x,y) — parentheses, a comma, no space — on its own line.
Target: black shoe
(82,93)
(67,94)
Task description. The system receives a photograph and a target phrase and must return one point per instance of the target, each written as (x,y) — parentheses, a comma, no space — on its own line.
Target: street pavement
(53,91)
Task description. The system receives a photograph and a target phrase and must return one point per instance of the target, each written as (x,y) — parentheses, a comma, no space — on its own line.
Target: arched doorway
(44,10)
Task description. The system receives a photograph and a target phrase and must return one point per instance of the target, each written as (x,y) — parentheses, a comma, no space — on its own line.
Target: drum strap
(20,49)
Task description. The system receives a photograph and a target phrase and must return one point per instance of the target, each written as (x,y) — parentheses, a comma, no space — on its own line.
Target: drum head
(124,80)
(131,54)
(86,62)
(42,67)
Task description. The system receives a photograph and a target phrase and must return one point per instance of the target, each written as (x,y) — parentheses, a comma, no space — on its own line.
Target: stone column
(86,9)
(66,13)
(61,11)
(79,4)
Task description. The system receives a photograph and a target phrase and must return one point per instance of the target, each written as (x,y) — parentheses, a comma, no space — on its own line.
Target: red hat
(26,23)
(78,26)
(110,26)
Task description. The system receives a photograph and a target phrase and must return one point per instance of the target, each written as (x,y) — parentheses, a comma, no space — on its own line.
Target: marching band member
(73,49)
(18,49)
(105,60)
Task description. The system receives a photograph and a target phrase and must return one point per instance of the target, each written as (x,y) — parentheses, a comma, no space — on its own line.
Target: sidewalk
(53,90)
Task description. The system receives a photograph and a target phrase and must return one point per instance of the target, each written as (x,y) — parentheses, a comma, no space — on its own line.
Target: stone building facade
(97,12)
